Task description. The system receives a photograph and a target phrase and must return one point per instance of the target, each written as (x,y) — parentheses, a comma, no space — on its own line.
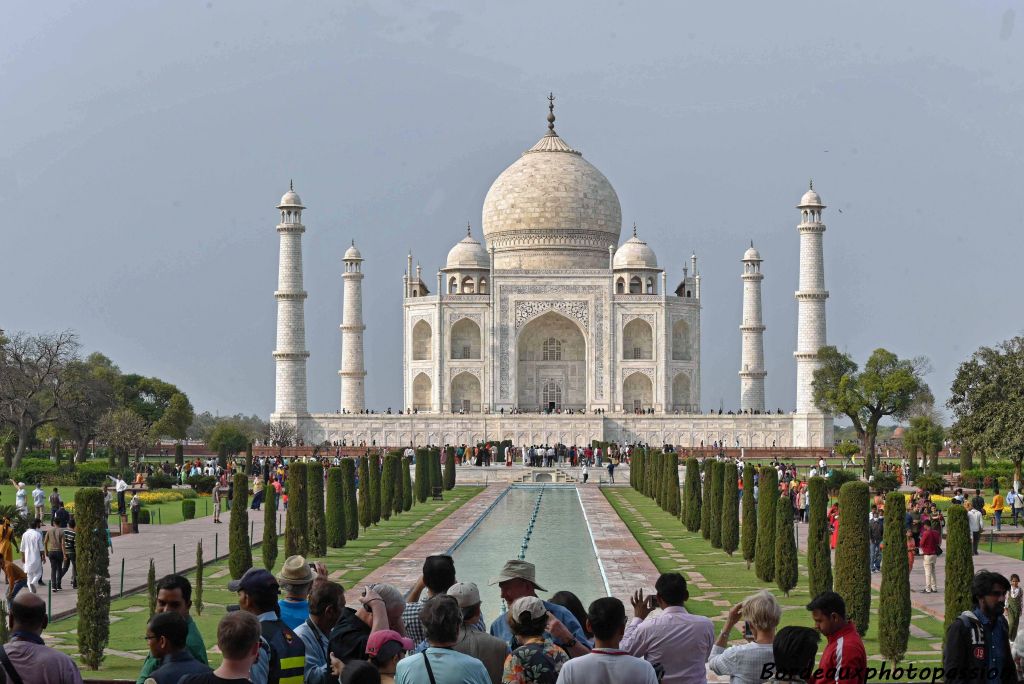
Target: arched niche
(637,392)
(637,340)
(551,351)
(421,341)
(465,339)
(465,393)
(681,350)
(421,386)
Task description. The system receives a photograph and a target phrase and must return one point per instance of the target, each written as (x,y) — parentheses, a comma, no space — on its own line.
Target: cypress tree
(436,479)
(673,477)
(387,487)
(296,519)
(894,594)
(348,497)
(151,587)
(730,509)
(316,535)
(239,551)
(397,506)
(365,518)
(422,483)
(268,548)
(705,507)
(691,507)
(650,464)
(959,565)
(248,458)
(749,537)
(660,477)
(786,572)
(718,494)
(449,471)
(819,555)
(336,530)
(767,500)
(197,590)
(374,464)
(222,457)
(853,553)
(93,574)
(407,494)
(632,468)
(179,455)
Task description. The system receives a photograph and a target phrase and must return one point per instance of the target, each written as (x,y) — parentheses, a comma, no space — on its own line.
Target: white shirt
(32,548)
(19,497)
(607,666)
(975,520)
(744,664)
(38,496)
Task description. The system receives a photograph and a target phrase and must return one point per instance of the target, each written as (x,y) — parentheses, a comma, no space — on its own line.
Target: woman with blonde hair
(745,663)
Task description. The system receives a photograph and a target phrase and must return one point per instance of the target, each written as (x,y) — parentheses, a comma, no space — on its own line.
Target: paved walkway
(170,546)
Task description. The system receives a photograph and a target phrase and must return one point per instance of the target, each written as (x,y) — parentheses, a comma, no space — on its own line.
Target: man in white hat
(518,579)
(489,650)
(296,578)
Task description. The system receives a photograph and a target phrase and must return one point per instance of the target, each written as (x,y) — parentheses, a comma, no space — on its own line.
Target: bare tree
(282,433)
(32,382)
(124,431)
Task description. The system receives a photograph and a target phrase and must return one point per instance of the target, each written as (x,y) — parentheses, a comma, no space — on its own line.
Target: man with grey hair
(440,664)
(489,650)
(381,607)
(296,578)
(326,601)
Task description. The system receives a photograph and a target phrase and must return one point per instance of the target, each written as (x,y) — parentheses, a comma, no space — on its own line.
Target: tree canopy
(888,386)
(229,435)
(987,400)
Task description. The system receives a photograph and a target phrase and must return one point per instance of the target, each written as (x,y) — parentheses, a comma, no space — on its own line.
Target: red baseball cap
(384,636)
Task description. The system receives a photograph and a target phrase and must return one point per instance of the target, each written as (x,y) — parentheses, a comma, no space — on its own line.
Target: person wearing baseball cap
(385,648)
(518,579)
(489,650)
(282,657)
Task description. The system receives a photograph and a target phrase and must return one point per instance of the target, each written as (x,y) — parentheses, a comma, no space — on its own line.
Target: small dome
(468,253)
(635,253)
(352,253)
(810,199)
(290,199)
(752,255)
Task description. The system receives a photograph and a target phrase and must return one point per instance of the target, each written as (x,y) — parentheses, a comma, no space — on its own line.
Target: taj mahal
(551,331)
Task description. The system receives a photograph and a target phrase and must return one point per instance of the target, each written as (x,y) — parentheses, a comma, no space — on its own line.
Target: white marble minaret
(810,335)
(353,372)
(290,353)
(752,370)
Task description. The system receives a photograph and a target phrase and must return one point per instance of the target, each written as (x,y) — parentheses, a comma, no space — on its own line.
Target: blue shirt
(318,667)
(996,632)
(500,628)
(293,613)
(448,666)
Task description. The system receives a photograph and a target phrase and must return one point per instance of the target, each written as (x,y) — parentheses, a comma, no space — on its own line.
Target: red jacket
(930,541)
(844,660)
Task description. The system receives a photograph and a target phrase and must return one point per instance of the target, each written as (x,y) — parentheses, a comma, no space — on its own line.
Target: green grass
(374,548)
(731,581)
(163,513)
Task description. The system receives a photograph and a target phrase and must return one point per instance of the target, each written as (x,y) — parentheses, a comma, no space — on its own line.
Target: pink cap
(378,639)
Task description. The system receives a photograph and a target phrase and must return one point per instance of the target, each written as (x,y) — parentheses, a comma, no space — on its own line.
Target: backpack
(875,530)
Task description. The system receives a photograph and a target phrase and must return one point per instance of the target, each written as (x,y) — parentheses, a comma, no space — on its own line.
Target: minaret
(810,334)
(290,354)
(353,373)
(752,370)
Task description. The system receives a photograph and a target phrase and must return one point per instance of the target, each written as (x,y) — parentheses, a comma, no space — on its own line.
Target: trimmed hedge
(673,483)
(853,553)
(93,573)
(296,519)
(959,565)
(819,555)
(316,534)
(449,471)
(767,500)
(268,549)
(422,475)
(691,488)
(239,550)
(730,508)
(749,537)
(407,493)
(705,505)
(436,477)
(387,487)
(717,500)
(365,519)
(188,509)
(786,572)
(349,501)
(894,594)
(373,487)
(337,532)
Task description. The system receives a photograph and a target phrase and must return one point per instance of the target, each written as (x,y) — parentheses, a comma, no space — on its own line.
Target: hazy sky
(144,144)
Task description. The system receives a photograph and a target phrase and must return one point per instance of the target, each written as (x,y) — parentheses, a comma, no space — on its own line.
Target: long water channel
(559,545)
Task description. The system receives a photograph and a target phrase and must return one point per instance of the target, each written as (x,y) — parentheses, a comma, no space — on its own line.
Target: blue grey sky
(144,145)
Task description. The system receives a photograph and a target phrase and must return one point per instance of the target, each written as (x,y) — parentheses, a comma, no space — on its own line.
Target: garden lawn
(717,581)
(375,547)
(162,513)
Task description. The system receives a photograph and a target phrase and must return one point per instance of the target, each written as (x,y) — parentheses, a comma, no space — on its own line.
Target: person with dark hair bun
(794,649)
(977,641)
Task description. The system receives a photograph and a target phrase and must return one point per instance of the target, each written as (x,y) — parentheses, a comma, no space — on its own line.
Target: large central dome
(551,209)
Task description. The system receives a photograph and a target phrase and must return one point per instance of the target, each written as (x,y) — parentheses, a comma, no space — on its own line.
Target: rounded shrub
(853,553)
(767,501)
(749,536)
(786,572)
(819,555)
(188,509)
(239,550)
(894,594)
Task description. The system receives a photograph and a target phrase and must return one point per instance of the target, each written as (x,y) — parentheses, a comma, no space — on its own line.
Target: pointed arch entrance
(551,365)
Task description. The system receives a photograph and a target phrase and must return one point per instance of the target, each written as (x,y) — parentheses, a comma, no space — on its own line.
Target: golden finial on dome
(551,114)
